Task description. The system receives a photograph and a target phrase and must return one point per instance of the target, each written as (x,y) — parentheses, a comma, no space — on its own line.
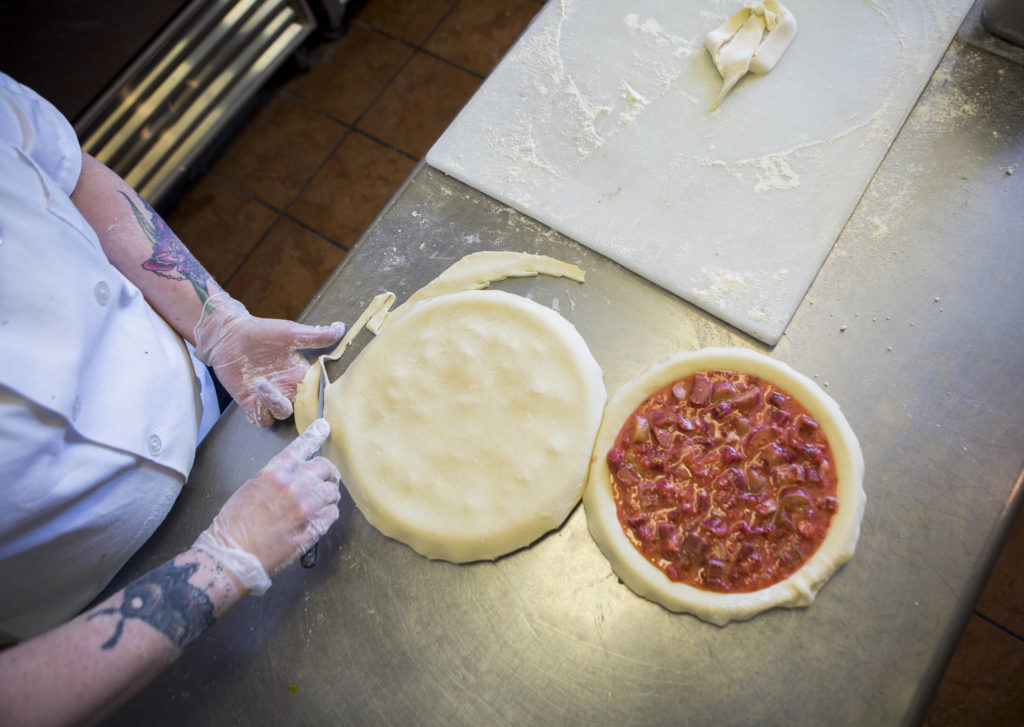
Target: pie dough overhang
(752,39)
(454,337)
(471,272)
(719,608)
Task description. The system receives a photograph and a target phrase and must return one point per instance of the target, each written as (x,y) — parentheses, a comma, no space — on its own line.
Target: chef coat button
(102,292)
(154,444)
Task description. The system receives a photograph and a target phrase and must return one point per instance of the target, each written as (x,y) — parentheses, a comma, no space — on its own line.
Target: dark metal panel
(70,50)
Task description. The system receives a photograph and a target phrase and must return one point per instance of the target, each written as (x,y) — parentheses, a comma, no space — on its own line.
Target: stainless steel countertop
(915,325)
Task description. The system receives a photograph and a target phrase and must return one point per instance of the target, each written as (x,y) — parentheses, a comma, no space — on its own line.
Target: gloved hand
(277,515)
(257,359)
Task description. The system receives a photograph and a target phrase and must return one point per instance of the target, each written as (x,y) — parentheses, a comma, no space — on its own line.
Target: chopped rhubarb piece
(637,520)
(722,389)
(731,456)
(755,480)
(685,424)
(794,498)
(696,545)
(721,410)
(788,474)
(641,429)
(716,527)
(700,394)
(626,475)
(668,534)
(661,417)
(747,399)
(662,436)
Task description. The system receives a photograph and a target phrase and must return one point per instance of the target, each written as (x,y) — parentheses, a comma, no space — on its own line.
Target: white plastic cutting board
(596,123)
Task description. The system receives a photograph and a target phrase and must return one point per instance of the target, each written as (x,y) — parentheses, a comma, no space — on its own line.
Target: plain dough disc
(465,428)
(719,608)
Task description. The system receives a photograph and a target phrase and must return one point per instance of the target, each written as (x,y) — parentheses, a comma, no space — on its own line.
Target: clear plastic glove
(276,516)
(257,359)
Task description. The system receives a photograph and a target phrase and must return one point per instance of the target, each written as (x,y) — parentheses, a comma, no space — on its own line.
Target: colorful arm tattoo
(171,259)
(165,600)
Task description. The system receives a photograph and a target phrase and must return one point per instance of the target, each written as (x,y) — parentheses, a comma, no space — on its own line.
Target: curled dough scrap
(753,39)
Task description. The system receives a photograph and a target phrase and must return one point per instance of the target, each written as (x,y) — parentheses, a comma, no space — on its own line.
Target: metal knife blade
(310,557)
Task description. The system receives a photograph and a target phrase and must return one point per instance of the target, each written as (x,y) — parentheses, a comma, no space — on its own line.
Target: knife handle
(309,558)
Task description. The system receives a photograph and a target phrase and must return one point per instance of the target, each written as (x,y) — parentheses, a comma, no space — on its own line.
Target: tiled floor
(276,210)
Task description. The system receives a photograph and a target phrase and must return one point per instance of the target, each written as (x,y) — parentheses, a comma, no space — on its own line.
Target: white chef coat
(101,402)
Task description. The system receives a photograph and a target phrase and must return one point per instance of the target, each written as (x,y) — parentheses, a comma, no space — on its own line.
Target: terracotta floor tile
(419,104)
(984,683)
(351,189)
(284,272)
(478,32)
(219,224)
(278,150)
(410,20)
(1002,599)
(345,76)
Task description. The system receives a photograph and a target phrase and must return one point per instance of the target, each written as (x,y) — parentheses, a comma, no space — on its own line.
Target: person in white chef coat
(107,327)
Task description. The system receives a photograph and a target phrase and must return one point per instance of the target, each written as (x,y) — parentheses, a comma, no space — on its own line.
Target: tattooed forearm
(165,600)
(170,259)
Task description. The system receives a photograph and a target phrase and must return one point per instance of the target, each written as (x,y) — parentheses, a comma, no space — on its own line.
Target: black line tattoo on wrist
(170,259)
(164,599)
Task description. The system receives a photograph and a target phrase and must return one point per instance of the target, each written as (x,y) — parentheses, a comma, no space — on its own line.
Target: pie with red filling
(724,483)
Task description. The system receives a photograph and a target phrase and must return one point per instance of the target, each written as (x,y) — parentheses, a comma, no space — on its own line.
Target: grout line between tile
(308,228)
(383,143)
(996,624)
(252,250)
(354,125)
(453,64)
(259,240)
(420,48)
(305,185)
(228,183)
(350,128)
(280,214)
(314,108)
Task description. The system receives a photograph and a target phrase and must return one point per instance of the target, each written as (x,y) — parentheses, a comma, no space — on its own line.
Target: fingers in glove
(323,521)
(275,402)
(318,525)
(310,441)
(258,414)
(317,336)
(323,469)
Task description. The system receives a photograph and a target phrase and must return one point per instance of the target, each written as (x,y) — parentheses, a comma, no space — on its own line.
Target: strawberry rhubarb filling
(724,482)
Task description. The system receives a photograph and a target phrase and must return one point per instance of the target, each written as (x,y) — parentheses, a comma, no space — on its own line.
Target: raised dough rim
(644,578)
(452,550)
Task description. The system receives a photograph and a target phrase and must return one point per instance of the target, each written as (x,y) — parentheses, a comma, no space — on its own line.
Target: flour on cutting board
(773,171)
(652,27)
(596,111)
(595,124)
(724,288)
(636,104)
